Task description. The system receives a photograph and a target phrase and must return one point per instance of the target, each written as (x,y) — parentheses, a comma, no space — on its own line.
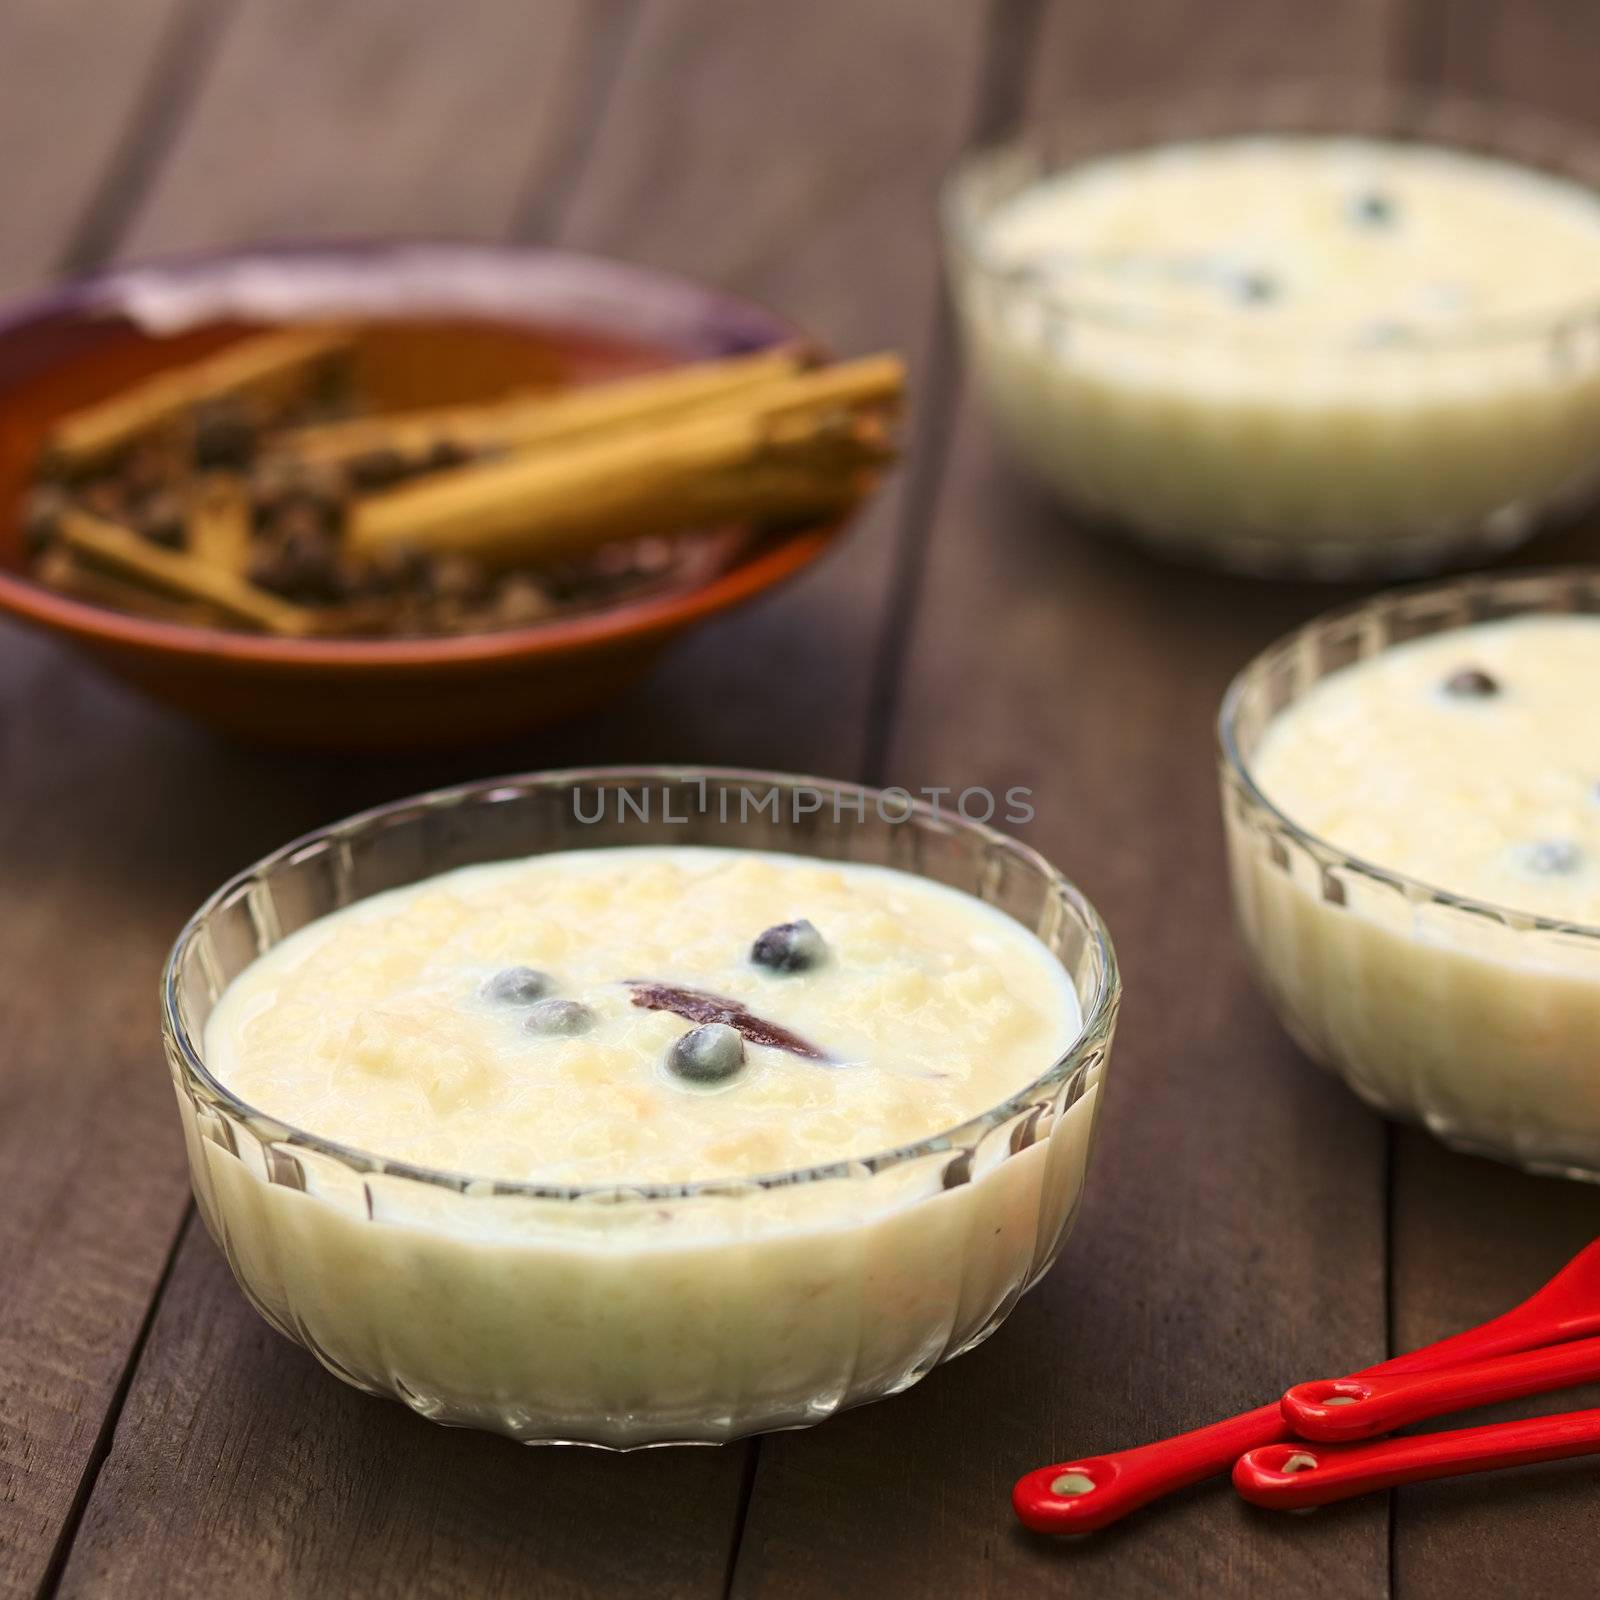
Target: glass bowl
(639,1315)
(1301,450)
(1476,1020)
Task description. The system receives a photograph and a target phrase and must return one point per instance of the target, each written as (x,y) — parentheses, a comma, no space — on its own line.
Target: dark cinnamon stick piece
(698,1007)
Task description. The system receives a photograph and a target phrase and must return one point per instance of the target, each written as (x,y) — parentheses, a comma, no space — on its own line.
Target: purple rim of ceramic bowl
(516,284)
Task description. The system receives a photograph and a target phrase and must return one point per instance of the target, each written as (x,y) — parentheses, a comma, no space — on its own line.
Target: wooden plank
(74,74)
(1233,1236)
(93,1196)
(117,817)
(1535,53)
(1472,1237)
(269,1431)
(786,162)
(341,118)
(255,1472)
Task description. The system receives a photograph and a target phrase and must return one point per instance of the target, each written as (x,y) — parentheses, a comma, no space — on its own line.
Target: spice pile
(256,489)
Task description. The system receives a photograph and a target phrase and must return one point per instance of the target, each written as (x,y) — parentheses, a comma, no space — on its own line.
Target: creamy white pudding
(1470,760)
(1466,764)
(1323,349)
(1365,237)
(616,1265)
(518,1021)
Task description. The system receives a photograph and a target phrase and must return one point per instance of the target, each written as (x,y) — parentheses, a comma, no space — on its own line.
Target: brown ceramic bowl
(443,321)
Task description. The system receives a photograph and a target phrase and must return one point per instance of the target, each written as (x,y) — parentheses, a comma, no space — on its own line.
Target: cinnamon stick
(217,523)
(527,420)
(176,572)
(407,433)
(547,507)
(265,363)
(68,573)
(699,1006)
(644,480)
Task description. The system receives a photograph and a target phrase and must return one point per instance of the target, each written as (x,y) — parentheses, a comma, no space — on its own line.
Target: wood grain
(111,828)
(74,72)
(1536,54)
(93,1194)
(1472,1237)
(339,118)
(218,1470)
(253,1471)
(786,159)
(1234,1232)
(117,818)
(1235,1235)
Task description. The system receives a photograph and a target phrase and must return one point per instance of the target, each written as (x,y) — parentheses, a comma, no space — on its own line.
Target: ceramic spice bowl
(439,316)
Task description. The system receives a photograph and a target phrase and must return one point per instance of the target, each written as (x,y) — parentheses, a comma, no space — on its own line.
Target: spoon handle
(1081,1496)
(1095,1491)
(1362,1406)
(1294,1476)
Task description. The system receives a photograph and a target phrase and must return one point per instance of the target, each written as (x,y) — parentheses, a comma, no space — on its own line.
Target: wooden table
(1248,1222)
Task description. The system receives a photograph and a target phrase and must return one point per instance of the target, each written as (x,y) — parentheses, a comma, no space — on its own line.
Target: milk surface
(1489,792)
(1332,355)
(372,1027)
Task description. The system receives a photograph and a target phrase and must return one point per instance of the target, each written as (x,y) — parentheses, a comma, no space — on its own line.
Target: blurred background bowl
(441,321)
(1300,449)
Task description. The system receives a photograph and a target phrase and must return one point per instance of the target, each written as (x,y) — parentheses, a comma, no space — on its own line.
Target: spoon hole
(1070,1484)
(1300,1461)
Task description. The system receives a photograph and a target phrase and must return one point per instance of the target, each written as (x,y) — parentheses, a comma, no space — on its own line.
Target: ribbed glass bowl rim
(1244,110)
(1098,1014)
(1474,588)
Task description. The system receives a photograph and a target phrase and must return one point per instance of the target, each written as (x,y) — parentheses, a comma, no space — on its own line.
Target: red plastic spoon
(1359,1408)
(1292,1477)
(1080,1496)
